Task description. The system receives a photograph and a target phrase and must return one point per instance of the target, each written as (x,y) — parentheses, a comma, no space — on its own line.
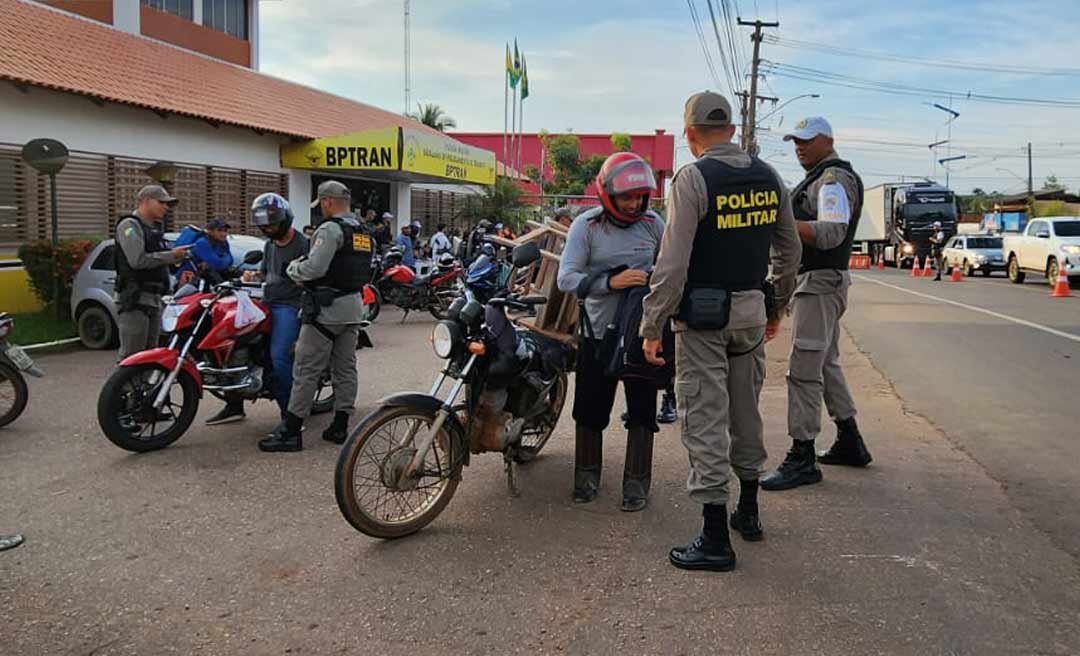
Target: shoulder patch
(129,231)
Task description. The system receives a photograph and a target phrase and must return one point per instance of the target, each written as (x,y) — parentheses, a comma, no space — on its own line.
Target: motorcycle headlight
(444,337)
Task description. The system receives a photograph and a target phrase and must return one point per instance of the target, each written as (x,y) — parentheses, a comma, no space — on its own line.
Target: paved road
(210,547)
(997,367)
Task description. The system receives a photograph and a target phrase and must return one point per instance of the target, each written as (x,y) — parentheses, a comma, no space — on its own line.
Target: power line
(920,61)
(704,45)
(852,82)
(732,82)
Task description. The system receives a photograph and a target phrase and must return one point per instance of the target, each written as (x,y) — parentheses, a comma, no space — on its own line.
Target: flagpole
(513,127)
(506,109)
(521,137)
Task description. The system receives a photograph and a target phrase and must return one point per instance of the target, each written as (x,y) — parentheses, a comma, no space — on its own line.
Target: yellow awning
(409,153)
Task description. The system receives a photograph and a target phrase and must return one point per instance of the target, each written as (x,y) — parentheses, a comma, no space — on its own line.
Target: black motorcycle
(403,462)
(14,361)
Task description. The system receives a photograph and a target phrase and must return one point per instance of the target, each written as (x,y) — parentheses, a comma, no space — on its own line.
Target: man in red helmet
(611,249)
(726,210)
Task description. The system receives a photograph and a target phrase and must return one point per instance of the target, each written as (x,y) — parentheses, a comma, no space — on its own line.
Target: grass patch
(40,327)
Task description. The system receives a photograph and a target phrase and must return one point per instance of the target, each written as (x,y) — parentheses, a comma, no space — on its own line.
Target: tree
(620,142)
(1052,184)
(571,175)
(433,116)
(498,203)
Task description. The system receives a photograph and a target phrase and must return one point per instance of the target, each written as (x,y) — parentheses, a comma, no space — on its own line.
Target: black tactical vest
(152,281)
(731,247)
(833,258)
(350,269)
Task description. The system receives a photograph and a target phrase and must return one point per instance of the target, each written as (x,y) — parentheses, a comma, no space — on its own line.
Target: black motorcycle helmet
(271,213)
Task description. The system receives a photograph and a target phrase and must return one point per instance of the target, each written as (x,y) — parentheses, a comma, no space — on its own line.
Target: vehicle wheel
(365,485)
(324,396)
(538,431)
(13,394)
(125,411)
(440,304)
(376,307)
(1016,276)
(1052,272)
(96,328)
(968,271)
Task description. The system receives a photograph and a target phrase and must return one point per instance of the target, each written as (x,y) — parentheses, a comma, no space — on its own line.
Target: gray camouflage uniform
(139,328)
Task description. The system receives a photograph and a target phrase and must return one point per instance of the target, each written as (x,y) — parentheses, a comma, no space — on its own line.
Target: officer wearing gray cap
(333,275)
(727,211)
(142,270)
(827,204)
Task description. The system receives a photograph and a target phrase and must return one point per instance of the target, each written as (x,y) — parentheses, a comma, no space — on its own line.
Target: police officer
(937,243)
(333,275)
(827,204)
(726,209)
(142,270)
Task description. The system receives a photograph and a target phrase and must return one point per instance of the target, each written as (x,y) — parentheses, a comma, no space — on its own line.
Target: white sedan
(974,253)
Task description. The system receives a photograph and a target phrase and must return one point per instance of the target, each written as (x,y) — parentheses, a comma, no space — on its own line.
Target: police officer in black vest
(333,275)
(725,212)
(142,270)
(827,205)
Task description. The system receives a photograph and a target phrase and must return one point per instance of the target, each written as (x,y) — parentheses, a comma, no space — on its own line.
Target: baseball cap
(217,223)
(156,192)
(808,128)
(707,108)
(387,215)
(331,189)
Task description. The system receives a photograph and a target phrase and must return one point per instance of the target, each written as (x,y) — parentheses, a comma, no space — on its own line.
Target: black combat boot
(849,448)
(668,411)
(745,519)
(338,429)
(711,550)
(289,439)
(637,471)
(799,468)
(588,457)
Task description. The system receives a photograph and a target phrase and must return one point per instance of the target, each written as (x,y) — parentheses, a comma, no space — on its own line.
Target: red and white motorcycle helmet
(625,174)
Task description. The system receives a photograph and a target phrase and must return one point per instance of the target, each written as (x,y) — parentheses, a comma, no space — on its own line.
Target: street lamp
(944,160)
(785,103)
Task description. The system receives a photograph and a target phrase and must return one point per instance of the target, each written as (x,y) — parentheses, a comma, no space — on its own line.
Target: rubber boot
(637,470)
(668,410)
(799,468)
(849,448)
(288,440)
(588,458)
(338,429)
(711,550)
(746,519)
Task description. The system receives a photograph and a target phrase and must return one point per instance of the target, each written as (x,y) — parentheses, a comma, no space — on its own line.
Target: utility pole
(407,72)
(1031,188)
(747,133)
(749,143)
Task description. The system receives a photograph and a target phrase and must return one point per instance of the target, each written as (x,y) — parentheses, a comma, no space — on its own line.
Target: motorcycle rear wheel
(13,394)
(538,431)
(365,466)
(123,406)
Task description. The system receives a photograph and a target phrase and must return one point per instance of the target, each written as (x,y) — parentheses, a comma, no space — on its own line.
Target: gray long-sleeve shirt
(325,243)
(688,204)
(129,237)
(595,246)
(830,230)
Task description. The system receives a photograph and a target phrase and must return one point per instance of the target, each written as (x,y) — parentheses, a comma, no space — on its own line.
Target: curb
(49,347)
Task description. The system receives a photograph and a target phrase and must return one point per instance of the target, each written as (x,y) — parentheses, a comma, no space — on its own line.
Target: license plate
(19,357)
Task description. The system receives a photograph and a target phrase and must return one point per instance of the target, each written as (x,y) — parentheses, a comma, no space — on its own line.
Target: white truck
(1047,245)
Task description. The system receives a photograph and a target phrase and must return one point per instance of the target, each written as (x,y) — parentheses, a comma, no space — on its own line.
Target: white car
(1048,245)
(92,306)
(974,253)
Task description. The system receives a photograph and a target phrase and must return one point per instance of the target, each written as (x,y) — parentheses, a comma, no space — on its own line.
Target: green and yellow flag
(515,73)
(524,78)
(509,66)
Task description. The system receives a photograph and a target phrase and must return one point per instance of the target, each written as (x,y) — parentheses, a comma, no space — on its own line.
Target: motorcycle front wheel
(13,394)
(367,484)
(126,414)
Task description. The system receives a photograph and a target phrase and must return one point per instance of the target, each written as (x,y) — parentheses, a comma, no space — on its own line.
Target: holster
(127,299)
(309,307)
(706,308)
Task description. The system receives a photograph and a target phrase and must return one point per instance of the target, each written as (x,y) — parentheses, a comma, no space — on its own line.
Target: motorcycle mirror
(525,254)
(253,257)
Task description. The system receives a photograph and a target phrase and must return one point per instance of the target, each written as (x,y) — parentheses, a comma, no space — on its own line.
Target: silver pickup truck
(1047,245)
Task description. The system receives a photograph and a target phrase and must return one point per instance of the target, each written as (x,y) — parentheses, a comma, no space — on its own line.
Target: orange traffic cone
(881,262)
(1061,288)
(957,276)
(916,271)
(927,271)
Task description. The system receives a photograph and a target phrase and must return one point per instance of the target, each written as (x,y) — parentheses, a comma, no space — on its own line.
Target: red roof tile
(88,58)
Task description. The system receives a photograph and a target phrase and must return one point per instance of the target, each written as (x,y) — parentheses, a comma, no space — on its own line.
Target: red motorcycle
(399,285)
(151,399)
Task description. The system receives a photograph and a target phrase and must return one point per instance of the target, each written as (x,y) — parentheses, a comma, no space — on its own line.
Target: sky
(629,65)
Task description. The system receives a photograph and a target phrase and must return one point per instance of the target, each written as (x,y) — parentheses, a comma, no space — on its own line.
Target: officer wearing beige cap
(142,270)
(727,210)
(827,204)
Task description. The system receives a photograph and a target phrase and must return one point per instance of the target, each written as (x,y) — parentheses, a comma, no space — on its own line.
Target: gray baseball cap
(707,108)
(331,189)
(808,128)
(156,192)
